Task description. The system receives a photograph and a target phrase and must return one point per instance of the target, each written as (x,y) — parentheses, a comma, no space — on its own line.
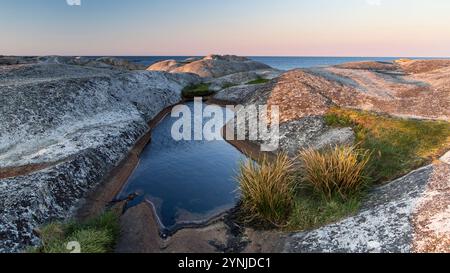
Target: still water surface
(186,181)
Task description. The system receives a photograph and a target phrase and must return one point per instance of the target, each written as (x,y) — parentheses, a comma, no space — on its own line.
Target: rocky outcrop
(305,128)
(212,66)
(77,123)
(408,215)
(304,96)
(422,66)
(102,62)
(13,60)
(380,87)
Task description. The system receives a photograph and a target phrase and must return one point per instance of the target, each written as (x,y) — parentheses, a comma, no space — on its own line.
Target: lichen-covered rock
(312,132)
(431,218)
(410,214)
(77,122)
(304,95)
(295,133)
(383,225)
(212,66)
(379,87)
(422,66)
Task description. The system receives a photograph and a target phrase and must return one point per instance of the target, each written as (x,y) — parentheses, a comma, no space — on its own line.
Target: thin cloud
(373,2)
(73,2)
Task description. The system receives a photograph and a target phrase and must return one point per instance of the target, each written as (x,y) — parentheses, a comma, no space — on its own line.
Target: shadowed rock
(102,62)
(78,122)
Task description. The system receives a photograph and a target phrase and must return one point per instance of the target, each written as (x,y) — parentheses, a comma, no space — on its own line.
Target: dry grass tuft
(336,171)
(268,189)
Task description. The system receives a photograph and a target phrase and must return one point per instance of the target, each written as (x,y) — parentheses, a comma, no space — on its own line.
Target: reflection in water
(186,181)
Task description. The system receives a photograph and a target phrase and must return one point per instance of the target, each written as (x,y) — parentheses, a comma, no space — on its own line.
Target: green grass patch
(97,235)
(228,85)
(197,90)
(312,210)
(279,194)
(398,145)
(259,80)
(330,184)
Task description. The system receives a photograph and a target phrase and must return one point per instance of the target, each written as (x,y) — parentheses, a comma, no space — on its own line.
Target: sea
(282,63)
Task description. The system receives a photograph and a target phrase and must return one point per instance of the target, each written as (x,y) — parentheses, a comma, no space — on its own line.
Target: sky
(397,28)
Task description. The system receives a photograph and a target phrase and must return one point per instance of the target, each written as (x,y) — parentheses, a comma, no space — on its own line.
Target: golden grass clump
(268,189)
(335,171)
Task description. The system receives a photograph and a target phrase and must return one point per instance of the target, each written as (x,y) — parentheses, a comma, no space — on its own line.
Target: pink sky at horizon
(369,28)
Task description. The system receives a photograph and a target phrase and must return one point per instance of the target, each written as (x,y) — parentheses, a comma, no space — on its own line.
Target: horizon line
(187,55)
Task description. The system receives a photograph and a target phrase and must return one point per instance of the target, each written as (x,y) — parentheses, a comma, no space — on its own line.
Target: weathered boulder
(212,66)
(77,123)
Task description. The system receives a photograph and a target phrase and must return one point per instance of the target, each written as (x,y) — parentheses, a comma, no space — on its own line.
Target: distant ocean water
(283,63)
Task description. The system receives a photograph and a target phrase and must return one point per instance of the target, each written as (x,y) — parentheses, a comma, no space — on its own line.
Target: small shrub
(333,119)
(197,90)
(335,171)
(268,189)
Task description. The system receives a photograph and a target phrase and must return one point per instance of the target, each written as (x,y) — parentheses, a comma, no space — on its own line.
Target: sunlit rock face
(414,89)
(408,215)
(410,89)
(212,66)
(74,123)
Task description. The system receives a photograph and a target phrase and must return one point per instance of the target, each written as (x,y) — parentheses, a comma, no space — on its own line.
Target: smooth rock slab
(383,225)
(212,66)
(79,123)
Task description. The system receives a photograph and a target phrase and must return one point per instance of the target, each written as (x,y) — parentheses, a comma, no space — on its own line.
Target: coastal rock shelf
(73,124)
(68,124)
(417,89)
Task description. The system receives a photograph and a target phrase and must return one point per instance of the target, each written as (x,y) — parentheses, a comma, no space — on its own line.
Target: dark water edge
(282,63)
(188,183)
